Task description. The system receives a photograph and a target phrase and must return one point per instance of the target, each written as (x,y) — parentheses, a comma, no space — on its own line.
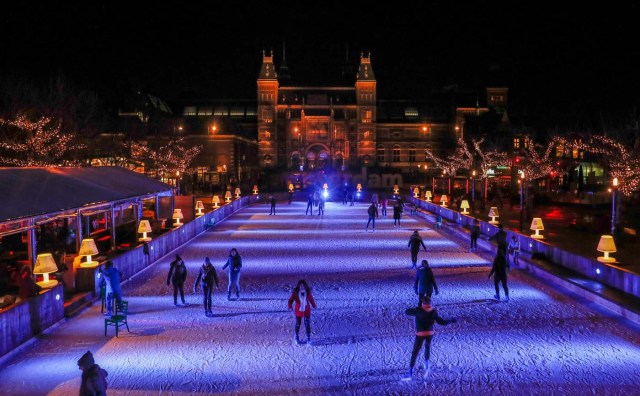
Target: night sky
(578,58)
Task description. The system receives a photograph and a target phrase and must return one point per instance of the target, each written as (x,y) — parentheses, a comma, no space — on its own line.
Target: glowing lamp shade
(493,213)
(227,196)
(88,248)
(177,216)
(255,189)
(45,264)
(359,187)
(606,245)
(325,186)
(396,189)
(464,205)
(199,208)
(237,192)
(537,226)
(444,200)
(416,192)
(143,228)
(291,187)
(215,201)
(428,196)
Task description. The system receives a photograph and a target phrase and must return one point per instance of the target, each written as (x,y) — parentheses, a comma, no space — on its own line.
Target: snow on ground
(544,341)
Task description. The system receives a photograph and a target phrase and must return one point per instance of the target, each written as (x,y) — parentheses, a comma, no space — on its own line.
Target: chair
(119,319)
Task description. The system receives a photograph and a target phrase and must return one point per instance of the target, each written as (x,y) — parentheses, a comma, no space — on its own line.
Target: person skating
(373,213)
(499,271)
(474,234)
(514,248)
(94,378)
(425,283)
(301,301)
(234,262)
(501,239)
(209,279)
(309,204)
(414,243)
(425,316)
(397,213)
(112,275)
(384,207)
(177,276)
(272,200)
(321,203)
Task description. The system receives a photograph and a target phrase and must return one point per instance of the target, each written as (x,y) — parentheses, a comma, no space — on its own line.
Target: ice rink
(544,341)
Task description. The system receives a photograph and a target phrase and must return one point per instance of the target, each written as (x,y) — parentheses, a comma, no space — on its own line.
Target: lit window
(190,111)
(367,134)
(237,112)
(267,135)
(574,153)
(205,111)
(559,151)
(516,143)
(411,112)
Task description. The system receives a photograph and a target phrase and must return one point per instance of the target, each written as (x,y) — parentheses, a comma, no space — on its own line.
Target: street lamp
(473,186)
(613,205)
(521,182)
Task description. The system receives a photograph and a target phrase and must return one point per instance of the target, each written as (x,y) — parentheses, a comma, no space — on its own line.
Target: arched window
(412,153)
(396,154)
(267,160)
(380,154)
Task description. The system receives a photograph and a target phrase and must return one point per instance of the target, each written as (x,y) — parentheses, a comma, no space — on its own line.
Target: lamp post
(614,191)
(473,186)
(521,182)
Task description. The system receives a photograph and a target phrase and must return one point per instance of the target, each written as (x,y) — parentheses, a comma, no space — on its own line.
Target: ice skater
(501,239)
(301,301)
(321,203)
(177,276)
(425,283)
(209,279)
(514,248)
(309,204)
(373,213)
(414,243)
(272,200)
(112,275)
(397,213)
(499,271)
(94,378)
(473,235)
(425,316)
(234,262)
(384,207)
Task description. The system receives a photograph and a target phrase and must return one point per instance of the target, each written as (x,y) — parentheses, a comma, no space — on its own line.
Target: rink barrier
(137,259)
(609,274)
(22,321)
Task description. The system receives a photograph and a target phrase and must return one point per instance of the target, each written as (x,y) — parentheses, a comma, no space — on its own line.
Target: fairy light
(38,143)
(168,159)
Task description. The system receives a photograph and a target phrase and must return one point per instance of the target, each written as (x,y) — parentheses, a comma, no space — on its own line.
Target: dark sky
(581,57)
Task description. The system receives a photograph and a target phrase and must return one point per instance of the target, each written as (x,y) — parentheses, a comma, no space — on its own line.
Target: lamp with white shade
(88,248)
(464,205)
(428,196)
(396,189)
(199,208)
(143,228)
(45,264)
(444,200)
(227,196)
(606,245)
(255,189)
(359,187)
(237,192)
(215,201)
(537,226)
(493,213)
(177,216)
(290,187)
(416,192)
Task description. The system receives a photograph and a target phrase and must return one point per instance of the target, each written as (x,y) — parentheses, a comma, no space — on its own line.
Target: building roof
(29,192)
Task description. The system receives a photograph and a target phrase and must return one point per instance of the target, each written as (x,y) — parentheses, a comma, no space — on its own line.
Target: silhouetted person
(414,243)
(499,271)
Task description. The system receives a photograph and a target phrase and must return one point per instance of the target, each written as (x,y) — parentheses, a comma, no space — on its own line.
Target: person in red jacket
(301,301)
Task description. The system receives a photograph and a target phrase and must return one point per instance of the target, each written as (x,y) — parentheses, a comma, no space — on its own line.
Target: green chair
(119,319)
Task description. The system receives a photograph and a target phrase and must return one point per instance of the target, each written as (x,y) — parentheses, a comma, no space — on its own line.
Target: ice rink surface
(544,341)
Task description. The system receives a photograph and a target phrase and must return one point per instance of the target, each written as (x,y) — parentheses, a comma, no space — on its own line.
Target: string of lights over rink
(544,341)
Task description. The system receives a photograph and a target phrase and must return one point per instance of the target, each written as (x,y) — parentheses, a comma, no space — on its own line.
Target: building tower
(366,108)
(267,101)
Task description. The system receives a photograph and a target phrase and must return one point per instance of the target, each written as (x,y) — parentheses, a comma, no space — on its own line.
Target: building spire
(267,70)
(284,77)
(365,71)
